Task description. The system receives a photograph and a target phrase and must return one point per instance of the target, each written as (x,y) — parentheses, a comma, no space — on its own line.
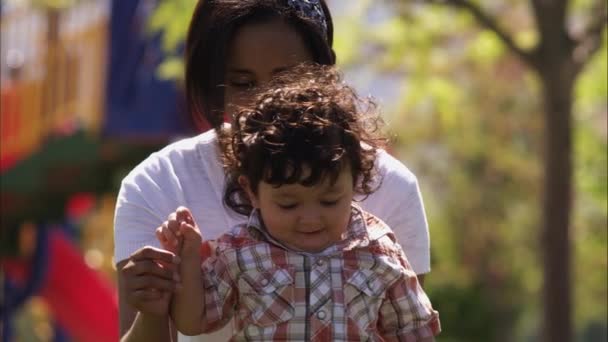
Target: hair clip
(310,9)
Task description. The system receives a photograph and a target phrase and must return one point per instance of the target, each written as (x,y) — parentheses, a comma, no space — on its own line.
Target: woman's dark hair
(307,118)
(212,27)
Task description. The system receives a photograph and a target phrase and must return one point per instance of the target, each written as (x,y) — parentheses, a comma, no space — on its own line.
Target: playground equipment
(82,302)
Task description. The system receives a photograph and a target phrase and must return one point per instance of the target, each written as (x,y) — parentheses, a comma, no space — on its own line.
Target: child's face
(306,218)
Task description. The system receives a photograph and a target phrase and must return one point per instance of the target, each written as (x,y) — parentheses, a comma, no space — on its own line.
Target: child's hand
(180,234)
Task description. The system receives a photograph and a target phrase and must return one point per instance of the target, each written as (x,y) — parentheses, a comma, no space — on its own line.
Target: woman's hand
(148,280)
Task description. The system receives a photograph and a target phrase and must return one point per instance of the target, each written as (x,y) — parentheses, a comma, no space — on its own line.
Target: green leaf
(486,48)
(171,69)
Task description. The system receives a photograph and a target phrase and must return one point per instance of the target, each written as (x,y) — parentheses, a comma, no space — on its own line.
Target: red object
(82,301)
(79,205)
(10,129)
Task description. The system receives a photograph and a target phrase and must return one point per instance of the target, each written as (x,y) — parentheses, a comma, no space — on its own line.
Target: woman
(232,47)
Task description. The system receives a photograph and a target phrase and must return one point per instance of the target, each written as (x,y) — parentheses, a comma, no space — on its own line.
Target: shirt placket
(321,299)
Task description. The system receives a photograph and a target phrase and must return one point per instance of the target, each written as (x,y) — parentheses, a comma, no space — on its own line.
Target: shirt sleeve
(134,222)
(147,195)
(220,293)
(398,202)
(406,313)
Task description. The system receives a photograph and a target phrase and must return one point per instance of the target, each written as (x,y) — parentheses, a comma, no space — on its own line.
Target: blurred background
(89,88)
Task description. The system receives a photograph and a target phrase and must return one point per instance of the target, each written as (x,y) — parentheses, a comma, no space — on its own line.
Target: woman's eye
(241,84)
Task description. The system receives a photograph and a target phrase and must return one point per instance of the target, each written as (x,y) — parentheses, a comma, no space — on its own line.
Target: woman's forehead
(266,48)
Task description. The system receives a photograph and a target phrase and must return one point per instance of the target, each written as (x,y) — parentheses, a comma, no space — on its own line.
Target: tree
(558,57)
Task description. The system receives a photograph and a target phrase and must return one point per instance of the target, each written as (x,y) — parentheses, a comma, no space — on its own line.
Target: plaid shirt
(360,289)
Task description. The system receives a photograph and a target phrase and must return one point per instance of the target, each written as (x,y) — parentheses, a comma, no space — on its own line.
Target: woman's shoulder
(393,180)
(185,148)
(180,154)
(391,167)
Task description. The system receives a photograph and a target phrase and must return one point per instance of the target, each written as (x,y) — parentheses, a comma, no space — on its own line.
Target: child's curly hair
(307,117)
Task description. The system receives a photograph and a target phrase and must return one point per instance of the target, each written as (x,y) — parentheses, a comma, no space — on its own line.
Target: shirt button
(321,315)
(320,262)
(264,282)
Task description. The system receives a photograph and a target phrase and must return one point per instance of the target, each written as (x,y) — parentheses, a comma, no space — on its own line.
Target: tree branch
(548,14)
(491,24)
(591,39)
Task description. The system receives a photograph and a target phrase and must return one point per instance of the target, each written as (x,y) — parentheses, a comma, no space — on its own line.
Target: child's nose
(310,217)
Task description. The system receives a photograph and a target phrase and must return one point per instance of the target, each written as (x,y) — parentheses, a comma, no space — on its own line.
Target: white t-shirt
(189,173)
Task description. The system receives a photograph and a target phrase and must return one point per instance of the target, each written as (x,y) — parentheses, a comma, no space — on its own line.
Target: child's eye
(329,203)
(287,206)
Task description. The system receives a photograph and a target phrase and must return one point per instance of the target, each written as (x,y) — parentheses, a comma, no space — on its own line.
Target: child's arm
(188,304)
(406,312)
(206,299)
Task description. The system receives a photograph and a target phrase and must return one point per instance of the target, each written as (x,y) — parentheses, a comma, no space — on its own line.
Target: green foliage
(54,4)
(470,125)
(486,48)
(350,33)
(172,68)
(591,205)
(170,19)
(454,301)
(592,85)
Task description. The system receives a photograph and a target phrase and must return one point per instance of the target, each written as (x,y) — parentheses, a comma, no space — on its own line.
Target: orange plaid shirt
(360,289)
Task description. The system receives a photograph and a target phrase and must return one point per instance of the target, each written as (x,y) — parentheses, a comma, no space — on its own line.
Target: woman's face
(257,53)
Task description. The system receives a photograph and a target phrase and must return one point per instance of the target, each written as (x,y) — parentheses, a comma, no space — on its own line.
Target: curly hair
(306,117)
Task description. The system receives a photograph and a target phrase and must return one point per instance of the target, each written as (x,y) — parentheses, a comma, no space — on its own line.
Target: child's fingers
(170,230)
(183,214)
(189,231)
(173,223)
(166,241)
(161,237)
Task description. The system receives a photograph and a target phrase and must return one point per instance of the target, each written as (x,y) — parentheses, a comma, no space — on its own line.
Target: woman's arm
(144,294)
(149,328)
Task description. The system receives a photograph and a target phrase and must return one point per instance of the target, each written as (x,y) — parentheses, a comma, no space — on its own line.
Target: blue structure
(138,103)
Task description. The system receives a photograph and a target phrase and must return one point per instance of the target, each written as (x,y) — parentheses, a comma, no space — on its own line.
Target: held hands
(148,278)
(180,234)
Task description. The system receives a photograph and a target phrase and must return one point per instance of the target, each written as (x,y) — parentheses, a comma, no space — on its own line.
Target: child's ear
(246,185)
